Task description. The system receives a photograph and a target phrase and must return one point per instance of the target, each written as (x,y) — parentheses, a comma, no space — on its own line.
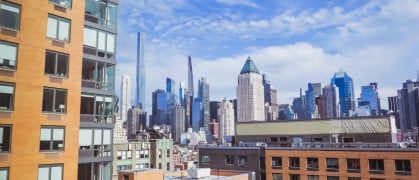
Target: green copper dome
(249,67)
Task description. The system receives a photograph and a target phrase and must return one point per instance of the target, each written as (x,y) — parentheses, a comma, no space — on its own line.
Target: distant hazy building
(203,94)
(370,99)
(178,126)
(313,91)
(250,94)
(214,109)
(197,120)
(346,92)
(125,96)
(298,106)
(188,110)
(154,109)
(136,121)
(226,120)
(140,79)
(408,99)
(119,133)
(182,92)
(170,85)
(190,77)
(330,102)
(213,127)
(270,99)
(285,112)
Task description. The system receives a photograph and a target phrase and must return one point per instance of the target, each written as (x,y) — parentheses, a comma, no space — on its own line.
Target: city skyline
(292,42)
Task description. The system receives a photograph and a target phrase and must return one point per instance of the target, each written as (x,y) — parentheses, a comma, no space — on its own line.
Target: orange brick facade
(387,155)
(29,78)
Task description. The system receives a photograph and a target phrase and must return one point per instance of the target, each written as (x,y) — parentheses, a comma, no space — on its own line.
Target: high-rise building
(136,121)
(313,91)
(141,75)
(166,103)
(98,96)
(213,129)
(370,99)
(250,96)
(197,119)
(190,77)
(214,109)
(226,120)
(188,110)
(125,96)
(154,110)
(203,94)
(171,85)
(270,99)
(330,102)
(178,126)
(408,99)
(346,92)
(182,92)
(298,106)
(41,47)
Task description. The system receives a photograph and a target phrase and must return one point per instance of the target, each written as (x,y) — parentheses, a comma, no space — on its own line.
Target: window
(283,139)
(312,163)
(137,154)
(4,173)
(294,177)
(58,28)
(206,159)
(332,164)
(52,139)
(229,159)
(129,153)
(353,165)
(101,12)
(54,100)
(85,138)
(354,178)
(56,64)
(9,15)
(403,167)
(376,166)
(276,176)
(276,162)
(8,55)
(100,40)
(274,139)
(7,91)
(294,163)
(332,178)
(98,75)
(63,3)
(5,137)
(50,172)
(242,160)
(313,177)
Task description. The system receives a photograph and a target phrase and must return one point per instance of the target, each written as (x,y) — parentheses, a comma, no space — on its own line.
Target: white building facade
(125,96)
(225,113)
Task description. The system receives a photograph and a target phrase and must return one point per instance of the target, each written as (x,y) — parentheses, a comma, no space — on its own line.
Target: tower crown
(249,66)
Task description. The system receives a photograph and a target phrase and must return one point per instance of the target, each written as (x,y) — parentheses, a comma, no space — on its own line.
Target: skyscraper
(408,99)
(330,102)
(136,121)
(313,91)
(140,79)
(190,77)
(370,99)
(197,120)
(271,104)
(203,94)
(125,96)
(178,126)
(154,109)
(171,85)
(346,92)
(298,106)
(226,120)
(250,96)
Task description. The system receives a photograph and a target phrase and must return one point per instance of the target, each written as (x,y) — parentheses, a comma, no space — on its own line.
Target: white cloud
(239,2)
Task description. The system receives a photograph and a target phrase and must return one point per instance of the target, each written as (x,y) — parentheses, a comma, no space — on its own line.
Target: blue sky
(293,42)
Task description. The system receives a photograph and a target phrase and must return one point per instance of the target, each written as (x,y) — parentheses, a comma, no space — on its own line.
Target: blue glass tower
(346,92)
(203,94)
(170,85)
(369,97)
(140,78)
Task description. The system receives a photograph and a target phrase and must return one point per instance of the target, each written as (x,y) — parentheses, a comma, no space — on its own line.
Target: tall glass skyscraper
(313,91)
(203,94)
(140,79)
(171,85)
(369,98)
(346,92)
(190,77)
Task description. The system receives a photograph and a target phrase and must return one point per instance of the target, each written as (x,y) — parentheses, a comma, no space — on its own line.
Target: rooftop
(249,66)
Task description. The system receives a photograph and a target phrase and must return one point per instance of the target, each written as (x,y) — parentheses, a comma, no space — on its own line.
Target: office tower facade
(214,110)
(154,110)
(182,92)
(136,122)
(178,126)
(125,96)
(346,92)
(39,90)
(203,94)
(285,112)
(370,99)
(226,120)
(171,85)
(298,106)
(188,110)
(270,99)
(330,101)
(250,96)
(408,99)
(98,96)
(311,94)
(197,119)
(166,103)
(141,74)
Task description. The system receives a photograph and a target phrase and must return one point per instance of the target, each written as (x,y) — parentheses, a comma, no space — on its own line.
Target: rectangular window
(56,64)
(312,163)
(276,176)
(50,172)
(4,173)
(9,15)
(283,139)
(54,100)
(206,159)
(58,28)
(8,55)
(129,153)
(294,163)
(403,167)
(5,137)
(276,162)
(51,139)
(101,12)
(137,154)
(354,178)
(229,159)
(274,139)
(332,164)
(332,178)
(313,177)
(242,160)
(294,177)
(63,3)
(7,92)
(353,165)
(103,41)
(376,166)
(85,138)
